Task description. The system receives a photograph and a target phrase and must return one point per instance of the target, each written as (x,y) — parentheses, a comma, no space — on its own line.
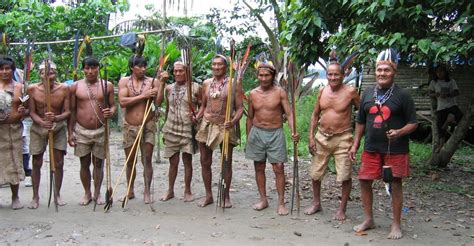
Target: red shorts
(372,162)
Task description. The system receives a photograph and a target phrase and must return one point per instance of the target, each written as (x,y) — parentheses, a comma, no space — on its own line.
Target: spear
(295,187)
(28,60)
(52,163)
(225,143)
(76,56)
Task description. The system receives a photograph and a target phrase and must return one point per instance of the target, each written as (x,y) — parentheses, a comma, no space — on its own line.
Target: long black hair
(443,67)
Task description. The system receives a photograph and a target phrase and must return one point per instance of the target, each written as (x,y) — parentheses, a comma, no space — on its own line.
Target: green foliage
(35,21)
(304,109)
(307,26)
(422,31)
(225,20)
(419,153)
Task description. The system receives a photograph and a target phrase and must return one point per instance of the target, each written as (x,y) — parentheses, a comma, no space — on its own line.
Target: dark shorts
(372,162)
(442,116)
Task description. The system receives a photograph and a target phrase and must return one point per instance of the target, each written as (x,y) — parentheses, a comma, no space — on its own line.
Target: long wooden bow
(52,163)
(188,66)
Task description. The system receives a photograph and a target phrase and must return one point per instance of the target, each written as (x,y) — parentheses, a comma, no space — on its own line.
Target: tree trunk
(434,127)
(444,156)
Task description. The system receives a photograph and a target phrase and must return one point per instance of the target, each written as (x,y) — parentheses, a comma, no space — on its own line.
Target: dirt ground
(430,216)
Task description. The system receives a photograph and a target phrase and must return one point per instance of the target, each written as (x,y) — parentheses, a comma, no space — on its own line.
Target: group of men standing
(385,114)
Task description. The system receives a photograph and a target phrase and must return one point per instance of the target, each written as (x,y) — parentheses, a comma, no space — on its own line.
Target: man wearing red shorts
(387,116)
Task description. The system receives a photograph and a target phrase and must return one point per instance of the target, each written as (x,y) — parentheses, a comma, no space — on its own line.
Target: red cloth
(372,162)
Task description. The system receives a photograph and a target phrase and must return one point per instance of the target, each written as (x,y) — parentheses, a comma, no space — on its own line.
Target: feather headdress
(345,66)
(388,56)
(263,62)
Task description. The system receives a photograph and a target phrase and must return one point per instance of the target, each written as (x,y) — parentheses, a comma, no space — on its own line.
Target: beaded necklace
(93,97)
(215,91)
(215,88)
(132,88)
(380,100)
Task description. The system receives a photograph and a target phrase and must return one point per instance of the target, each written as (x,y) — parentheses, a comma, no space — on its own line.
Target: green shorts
(266,144)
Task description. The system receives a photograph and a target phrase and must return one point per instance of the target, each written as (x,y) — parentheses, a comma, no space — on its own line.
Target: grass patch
(419,155)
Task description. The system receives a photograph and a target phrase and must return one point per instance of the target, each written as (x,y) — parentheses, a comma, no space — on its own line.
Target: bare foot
(206,201)
(340,215)
(60,201)
(147,198)
(260,205)
(16,204)
(167,196)
(188,197)
(85,200)
(227,203)
(99,200)
(395,232)
(34,204)
(366,225)
(131,196)
(314,208)
(282,210)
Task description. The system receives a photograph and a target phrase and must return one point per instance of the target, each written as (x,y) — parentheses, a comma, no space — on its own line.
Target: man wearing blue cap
(387,116)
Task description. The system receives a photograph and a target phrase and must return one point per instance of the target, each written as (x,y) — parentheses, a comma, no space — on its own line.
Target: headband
(267,66)
(222,57)
(43,65)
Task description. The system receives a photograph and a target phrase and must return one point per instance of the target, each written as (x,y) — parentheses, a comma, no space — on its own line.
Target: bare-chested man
(44,121)
(11,113)
(266,140)
(211,131)
(177,132)
(87,132)
(333,111)
(134,92)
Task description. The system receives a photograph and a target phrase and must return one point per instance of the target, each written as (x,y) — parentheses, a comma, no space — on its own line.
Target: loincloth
(175,144)
(263,144)
(11,162)
(89,141)
(130,132)
(39,137)
(26,122)
(213,134)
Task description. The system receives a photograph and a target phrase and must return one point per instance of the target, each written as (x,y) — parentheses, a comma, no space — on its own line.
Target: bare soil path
(430,217)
